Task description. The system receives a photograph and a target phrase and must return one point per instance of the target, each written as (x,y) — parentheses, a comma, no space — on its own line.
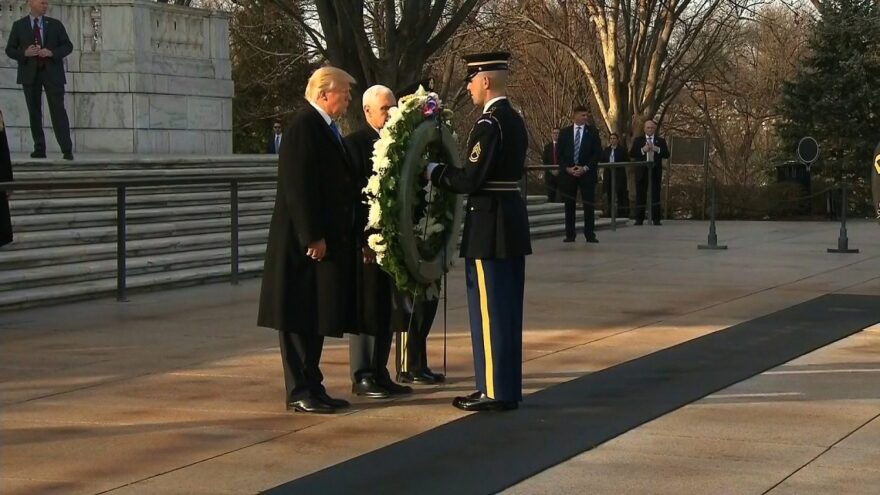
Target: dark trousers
(414,323)
(33,95)
(568,187)
(495,306)
(622,191)
(368,356)
(642,194)
(300,357)
(551,182)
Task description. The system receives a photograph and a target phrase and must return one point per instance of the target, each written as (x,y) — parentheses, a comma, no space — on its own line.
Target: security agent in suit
(273,145)
(309,274)
(495,240)
(39,44)
(5,176)
(370,349)
(579,153)
(642,146)
(550,156)
(612,154)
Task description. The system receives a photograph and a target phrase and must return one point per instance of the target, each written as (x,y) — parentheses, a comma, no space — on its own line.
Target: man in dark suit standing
(613,154)
(579,153)
(370,349)
(5,176)
(39,44)
(551,157)
(649,147)
(273,145)
(309,274)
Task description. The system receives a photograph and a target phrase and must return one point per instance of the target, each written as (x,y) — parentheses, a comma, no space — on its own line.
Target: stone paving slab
(98,380)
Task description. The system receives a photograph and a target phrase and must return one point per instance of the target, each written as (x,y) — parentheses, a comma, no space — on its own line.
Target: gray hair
(374,92)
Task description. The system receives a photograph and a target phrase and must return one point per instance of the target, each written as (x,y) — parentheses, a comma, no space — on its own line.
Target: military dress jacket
(496,224)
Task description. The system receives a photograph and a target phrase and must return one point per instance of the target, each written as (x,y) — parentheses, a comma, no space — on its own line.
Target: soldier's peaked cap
(483,62)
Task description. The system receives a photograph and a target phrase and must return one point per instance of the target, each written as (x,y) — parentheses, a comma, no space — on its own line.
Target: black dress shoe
(638,222)
(418,377)
(438,377)
(481,402)
(657,222)
(367,387)
(593,239)
(68,156)
(568,239)
(38,154)
(330,401)
(311,405)
(394,388)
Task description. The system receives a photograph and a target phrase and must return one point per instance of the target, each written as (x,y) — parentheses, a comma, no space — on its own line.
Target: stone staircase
(65,241)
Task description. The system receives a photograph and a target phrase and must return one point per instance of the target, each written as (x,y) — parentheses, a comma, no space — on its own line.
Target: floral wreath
(400,157)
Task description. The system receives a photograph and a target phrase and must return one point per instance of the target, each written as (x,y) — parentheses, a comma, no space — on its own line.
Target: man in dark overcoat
(5,176)
(309,274)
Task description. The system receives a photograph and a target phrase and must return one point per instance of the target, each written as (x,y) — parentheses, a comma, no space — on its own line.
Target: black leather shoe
(657,222)
(68,156)
(330,401)
(311,405)
(638,222)
(419,378)
(394,388)
(592,239)
(367,387)
(38,154)
(568,239)
(438,377)
(481,402)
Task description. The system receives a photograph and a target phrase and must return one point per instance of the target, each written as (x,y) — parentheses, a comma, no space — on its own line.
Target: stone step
(135,162)
(14,280)
(56,294)
(137,216)
(89,235)
(51,175)
(92,202)
(30,258)
(133,192)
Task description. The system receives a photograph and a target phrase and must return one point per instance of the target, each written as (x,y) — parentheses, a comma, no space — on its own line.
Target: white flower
(374,184)
(377,243)
(374,218)
(381,147)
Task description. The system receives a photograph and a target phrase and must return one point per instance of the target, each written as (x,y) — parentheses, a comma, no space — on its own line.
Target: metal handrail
(121,186)
(649,200)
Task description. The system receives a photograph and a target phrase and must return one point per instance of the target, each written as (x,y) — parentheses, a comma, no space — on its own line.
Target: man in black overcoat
(309,274)
(614,153)
(370,349)
(579,153)
(39,43)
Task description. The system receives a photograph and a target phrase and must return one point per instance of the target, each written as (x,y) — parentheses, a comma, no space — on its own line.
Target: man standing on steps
(579,153)
(370,349)
(273,147)
(39,44)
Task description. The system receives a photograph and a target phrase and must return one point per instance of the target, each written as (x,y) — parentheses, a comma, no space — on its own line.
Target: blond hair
(325,79)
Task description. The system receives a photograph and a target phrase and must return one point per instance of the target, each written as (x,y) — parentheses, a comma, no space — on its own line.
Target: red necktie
(38,38)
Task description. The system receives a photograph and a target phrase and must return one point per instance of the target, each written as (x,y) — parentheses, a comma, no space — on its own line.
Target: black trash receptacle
(796,172)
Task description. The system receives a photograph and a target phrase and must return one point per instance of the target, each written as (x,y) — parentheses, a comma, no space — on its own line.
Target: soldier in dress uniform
(496,239)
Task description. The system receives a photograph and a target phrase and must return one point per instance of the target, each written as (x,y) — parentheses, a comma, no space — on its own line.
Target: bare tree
(386,42)
(636,55)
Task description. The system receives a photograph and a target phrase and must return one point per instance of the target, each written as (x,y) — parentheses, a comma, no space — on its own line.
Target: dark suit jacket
(5,176)
(55,39)
(620,155)
(635,152)
(547,157)
(374,286)
(270,144)
(316,199)
(590,152)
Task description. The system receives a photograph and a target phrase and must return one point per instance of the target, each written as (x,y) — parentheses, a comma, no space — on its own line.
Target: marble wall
(143,77)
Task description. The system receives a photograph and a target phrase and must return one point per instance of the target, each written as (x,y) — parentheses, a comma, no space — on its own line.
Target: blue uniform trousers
(495,304)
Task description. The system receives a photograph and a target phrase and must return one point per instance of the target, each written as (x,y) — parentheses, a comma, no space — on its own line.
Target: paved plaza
(654,367)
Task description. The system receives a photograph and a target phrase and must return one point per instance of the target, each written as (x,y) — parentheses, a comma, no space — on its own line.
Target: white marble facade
(143,77)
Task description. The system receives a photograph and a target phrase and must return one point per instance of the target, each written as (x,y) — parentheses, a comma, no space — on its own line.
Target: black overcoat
(5,176)
(316,199)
